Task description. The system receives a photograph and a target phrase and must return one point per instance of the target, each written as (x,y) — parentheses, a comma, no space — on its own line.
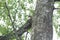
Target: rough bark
(42,20)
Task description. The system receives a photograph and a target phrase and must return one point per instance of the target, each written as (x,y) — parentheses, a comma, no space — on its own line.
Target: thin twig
(56,8)
(16,35)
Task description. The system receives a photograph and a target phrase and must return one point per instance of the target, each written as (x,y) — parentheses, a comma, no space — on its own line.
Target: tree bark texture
(42,20)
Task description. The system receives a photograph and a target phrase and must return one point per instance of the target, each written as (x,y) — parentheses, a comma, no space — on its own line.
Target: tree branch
(13,24)
(56,0)
(25,27)
(21,30)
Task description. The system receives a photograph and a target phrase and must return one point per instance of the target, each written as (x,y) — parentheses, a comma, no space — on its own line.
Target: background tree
(42,20)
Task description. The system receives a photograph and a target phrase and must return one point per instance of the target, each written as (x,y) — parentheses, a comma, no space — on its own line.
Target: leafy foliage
(56,18)
(19,11)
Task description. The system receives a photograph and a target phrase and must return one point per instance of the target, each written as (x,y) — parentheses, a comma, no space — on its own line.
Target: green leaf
(30,1)
(3,30)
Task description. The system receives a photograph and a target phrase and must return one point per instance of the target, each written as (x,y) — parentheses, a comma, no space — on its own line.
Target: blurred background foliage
(56,18)
(21,9)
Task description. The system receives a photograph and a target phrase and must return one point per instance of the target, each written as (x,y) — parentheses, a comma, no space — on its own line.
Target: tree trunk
(42,20)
